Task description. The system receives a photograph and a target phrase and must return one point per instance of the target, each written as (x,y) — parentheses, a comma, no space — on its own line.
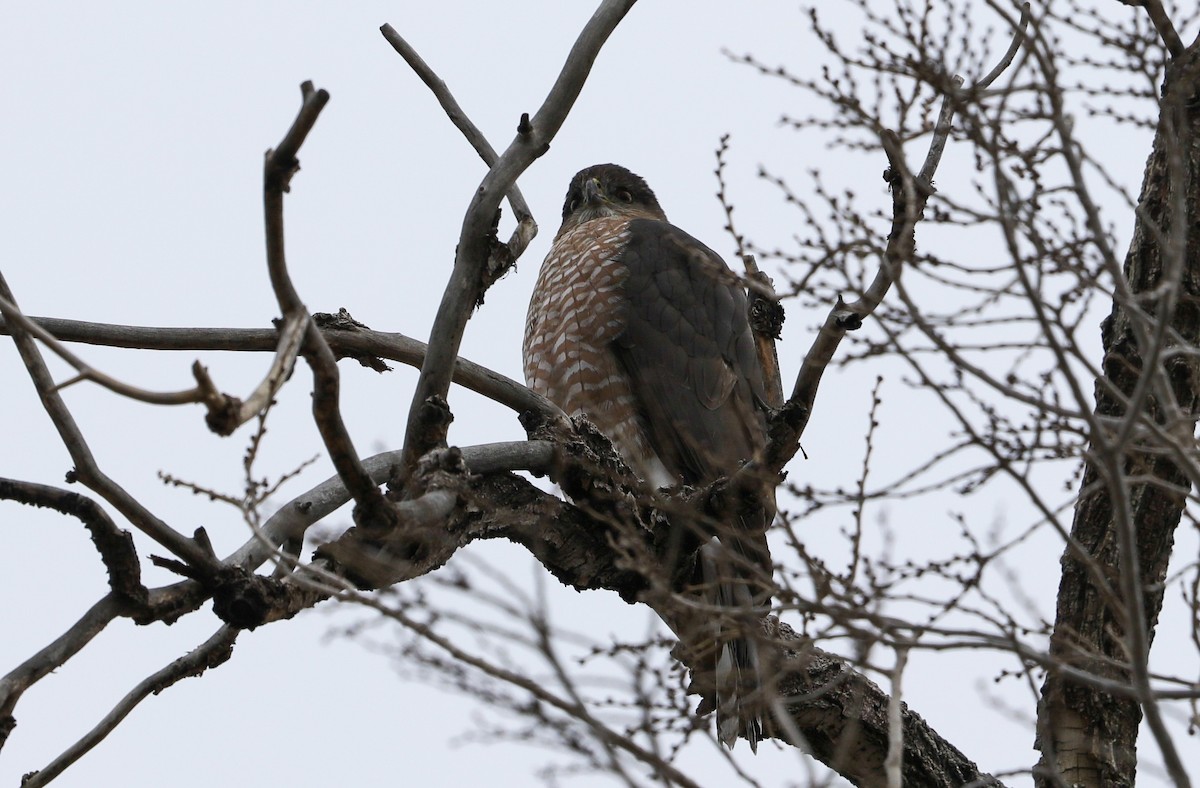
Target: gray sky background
(132,150)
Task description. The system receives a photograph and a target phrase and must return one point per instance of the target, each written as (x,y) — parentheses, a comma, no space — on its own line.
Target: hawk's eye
(624,196)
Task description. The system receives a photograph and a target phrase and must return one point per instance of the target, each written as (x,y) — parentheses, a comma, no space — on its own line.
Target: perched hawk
(643,329)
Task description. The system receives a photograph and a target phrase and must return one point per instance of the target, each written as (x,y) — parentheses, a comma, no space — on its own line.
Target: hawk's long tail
(739,678)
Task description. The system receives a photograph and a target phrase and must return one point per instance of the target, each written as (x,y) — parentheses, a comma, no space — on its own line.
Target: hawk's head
(609,190)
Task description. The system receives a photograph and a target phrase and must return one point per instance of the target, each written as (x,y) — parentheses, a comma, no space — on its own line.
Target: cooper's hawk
(643,329)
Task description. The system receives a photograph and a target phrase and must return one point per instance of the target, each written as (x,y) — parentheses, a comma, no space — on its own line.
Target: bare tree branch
(114,545)
(281,164)
(526,227)
(196,394)
(213,652)
(52,657)
(910,194)
(225,413)
(476,243)
(1162,23)
(352,341)
(86,470)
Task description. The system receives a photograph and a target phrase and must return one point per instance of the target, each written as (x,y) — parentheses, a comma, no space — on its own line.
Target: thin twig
(1007,58)
(723,197)
(894,762)
(291,337)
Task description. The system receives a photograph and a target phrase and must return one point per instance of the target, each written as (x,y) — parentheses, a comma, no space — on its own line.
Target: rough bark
(1088,737)
(841,717)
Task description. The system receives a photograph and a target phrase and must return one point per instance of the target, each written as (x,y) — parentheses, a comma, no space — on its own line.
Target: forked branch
(86,468)
(526,227)
(280,165)
(476,243)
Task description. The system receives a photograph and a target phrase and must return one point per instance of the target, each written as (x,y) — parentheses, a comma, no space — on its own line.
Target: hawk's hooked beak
(592,193)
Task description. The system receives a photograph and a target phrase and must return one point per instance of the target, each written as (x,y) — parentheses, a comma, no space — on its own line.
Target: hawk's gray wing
(689,353)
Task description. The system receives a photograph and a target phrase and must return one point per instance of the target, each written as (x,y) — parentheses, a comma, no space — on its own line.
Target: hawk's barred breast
(574,317)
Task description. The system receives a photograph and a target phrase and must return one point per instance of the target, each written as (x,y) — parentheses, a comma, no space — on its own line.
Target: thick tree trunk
(1088,736)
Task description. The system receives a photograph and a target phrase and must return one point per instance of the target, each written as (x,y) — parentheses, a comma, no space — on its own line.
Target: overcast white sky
(131,151)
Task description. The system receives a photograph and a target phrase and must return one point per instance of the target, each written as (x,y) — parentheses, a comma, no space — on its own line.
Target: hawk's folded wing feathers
(688,352)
